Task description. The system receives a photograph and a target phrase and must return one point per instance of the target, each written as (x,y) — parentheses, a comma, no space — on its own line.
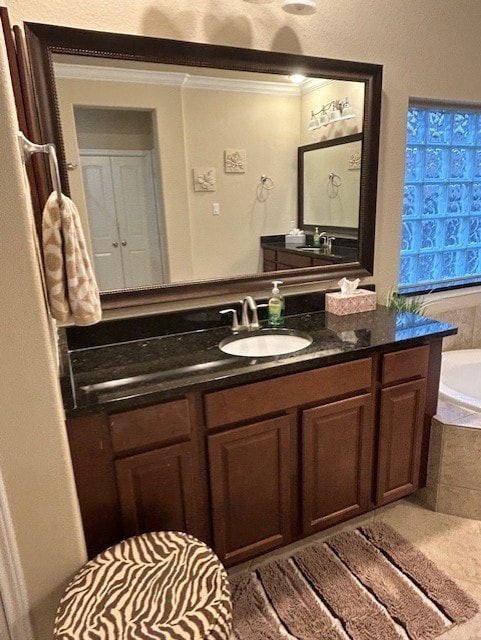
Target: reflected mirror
(329,185)
(181,157)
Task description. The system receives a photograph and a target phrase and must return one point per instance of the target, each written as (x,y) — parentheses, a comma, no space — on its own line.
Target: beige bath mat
(366,584)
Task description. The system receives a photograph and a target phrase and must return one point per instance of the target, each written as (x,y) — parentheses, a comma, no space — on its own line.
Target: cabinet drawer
(269,396)
(150,426)
(401,365)
(293,260)
(316,262)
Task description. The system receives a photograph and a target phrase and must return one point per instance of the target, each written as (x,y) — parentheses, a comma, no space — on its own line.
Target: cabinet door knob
(115,244)
(124,243)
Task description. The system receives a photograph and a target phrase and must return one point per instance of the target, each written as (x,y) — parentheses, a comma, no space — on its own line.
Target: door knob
(124,243)
(115,244)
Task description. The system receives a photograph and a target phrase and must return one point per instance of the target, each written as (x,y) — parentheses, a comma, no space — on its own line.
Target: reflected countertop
(339,253)
(132,373)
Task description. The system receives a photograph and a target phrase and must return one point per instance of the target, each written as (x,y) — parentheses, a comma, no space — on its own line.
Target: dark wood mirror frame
(45,40)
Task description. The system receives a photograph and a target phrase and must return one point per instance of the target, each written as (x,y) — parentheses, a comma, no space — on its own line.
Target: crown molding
(184,80)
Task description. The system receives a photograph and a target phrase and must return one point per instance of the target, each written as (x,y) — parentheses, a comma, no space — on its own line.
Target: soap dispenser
(317,238)
(276,306)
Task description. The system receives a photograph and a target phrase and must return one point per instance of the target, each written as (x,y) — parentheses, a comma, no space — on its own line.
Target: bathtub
(461,378)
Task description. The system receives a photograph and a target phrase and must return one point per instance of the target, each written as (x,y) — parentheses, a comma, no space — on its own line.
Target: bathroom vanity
(250,454)
(277,255)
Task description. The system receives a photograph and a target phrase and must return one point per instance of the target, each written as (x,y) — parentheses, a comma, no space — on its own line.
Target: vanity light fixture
(340,110)
(297,7)
(297,78)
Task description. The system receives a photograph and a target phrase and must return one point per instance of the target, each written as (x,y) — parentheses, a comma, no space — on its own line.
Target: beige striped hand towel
(72,289)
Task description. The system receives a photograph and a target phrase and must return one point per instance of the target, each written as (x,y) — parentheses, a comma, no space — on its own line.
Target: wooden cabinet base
(250,485)
(251,468)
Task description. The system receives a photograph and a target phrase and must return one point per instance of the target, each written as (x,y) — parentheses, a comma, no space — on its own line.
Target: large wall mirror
(182,156)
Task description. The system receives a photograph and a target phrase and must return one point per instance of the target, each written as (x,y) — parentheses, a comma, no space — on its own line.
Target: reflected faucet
(327,240)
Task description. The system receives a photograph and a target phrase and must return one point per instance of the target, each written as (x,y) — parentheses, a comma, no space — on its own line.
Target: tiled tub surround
(468,321)
(454,469)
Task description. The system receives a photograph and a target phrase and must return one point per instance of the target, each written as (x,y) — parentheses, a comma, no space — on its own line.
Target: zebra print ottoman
(166,586)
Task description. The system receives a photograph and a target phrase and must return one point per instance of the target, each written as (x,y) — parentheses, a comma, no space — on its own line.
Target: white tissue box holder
(297,241)
(343,304)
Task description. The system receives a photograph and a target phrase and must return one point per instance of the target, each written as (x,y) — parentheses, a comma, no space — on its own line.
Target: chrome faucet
(248,304)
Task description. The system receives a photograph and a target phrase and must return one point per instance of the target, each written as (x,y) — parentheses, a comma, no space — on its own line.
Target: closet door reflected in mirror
(119,197)
(123,219)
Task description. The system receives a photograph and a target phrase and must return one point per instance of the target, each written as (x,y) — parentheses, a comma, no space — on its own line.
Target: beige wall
(266,127)
(428,49)
(122,129)
(34,457)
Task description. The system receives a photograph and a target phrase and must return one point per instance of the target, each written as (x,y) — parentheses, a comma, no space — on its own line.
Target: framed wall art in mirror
(167,143)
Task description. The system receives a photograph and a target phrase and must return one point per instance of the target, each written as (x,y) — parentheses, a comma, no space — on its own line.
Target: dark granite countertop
(133,373)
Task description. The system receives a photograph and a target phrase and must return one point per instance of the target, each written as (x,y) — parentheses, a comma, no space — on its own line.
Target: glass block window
(441,220)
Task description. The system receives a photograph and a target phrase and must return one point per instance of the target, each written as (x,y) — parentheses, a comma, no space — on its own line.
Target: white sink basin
(265,343)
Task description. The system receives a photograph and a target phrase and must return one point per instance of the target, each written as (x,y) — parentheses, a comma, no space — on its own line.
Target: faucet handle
(235,322)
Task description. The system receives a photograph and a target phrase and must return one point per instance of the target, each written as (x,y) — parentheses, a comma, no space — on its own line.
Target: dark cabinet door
(337,446)
(400,439)
(157,491)
(250,471)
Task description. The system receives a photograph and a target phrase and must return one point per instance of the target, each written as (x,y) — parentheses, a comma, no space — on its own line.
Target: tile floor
(453,543)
